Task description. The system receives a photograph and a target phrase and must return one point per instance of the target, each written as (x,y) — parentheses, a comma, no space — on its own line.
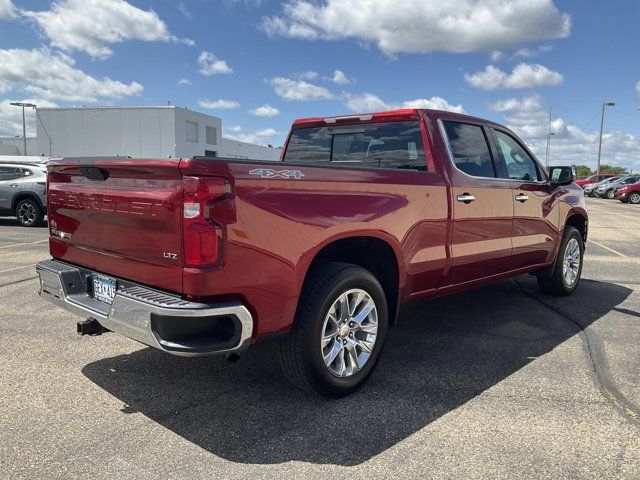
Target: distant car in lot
(590,188)
(628,193)
(23,192)
(594,179)
(606,190)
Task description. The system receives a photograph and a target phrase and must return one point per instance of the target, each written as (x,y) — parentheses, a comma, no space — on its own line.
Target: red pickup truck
(207,256)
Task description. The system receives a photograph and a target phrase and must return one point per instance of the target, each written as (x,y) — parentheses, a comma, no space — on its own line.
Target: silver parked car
(590,188)
(23,192)
(606,190)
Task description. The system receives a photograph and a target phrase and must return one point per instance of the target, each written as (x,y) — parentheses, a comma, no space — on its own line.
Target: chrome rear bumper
(155,318)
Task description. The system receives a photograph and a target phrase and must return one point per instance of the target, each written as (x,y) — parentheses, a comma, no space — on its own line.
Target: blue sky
(504,60)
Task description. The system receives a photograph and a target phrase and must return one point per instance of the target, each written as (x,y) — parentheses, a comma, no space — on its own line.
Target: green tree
(582,171)
(611,169)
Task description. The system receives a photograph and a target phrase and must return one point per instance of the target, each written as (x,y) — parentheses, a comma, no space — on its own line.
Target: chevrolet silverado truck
(200,256)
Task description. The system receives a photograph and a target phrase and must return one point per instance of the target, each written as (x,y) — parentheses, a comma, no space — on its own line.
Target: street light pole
(604,104)
(24,123)
(548,140)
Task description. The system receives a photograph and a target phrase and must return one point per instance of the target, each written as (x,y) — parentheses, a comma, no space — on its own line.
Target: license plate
(104,288)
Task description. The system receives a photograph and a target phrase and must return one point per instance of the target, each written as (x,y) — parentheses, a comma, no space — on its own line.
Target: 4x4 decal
(270,173)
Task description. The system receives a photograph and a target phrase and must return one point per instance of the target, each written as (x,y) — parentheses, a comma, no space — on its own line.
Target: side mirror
(559,176)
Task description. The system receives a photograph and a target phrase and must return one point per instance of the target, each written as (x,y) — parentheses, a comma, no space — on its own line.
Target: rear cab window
(373,145)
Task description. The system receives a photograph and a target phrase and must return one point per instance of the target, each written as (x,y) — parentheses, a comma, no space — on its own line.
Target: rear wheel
(609,194)
(338,332)
(568,266)
(634,198)
(29,213)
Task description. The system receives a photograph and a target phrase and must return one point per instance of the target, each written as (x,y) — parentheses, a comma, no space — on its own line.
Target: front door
(535,219)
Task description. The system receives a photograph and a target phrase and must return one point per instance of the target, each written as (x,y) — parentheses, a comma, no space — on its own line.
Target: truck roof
(384,116)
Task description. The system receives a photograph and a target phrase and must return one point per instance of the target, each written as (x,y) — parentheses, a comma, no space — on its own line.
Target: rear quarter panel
(277,227)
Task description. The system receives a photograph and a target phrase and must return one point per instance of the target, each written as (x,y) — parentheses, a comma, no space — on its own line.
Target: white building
(15,146)
(142,132)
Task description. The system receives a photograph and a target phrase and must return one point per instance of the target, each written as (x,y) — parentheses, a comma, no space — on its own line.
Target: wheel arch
(23,196)
(373,251)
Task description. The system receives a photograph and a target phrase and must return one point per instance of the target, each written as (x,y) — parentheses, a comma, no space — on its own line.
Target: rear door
(7,187)
(482,204)
(119,217)
(535,220)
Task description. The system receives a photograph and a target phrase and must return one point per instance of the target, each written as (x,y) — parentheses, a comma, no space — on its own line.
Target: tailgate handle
(94,173)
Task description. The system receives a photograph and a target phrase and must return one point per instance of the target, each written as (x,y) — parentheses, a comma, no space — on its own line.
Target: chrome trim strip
(130,314)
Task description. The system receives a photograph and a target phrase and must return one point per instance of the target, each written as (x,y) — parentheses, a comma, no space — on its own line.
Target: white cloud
(265,110)
(184,82)
(340,78)
(308,75)
(52,76)
(368,102)
(11,116)
(255,136)
(524,75)
(212,65)
(92,25)
(497,56)
(418,26)
(219,104)
(289,89)
(182,8)
(570,144)
(7,10)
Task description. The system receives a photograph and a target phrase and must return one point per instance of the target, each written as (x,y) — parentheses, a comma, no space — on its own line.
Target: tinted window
(7,173)
(520,165)
(470,149)
(309,145)
(384,145)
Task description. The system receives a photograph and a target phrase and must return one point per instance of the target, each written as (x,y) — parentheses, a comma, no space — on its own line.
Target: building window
(210,153)
(211,135)
(192,131)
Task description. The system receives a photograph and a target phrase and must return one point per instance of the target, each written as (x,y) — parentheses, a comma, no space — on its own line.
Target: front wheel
(338,332)
(634,198)
(568,266)
(29,213)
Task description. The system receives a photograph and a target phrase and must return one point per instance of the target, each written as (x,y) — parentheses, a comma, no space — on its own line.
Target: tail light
(202,236)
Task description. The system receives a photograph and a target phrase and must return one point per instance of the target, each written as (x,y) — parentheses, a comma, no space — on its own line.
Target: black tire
(634,198)
(29,213)
(610,195)
(556,284)
(301,352)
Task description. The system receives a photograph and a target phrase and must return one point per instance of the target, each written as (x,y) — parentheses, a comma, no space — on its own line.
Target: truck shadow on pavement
(443,353)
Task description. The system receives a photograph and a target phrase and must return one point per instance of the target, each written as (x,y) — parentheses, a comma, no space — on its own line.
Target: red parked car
(594,179)
(628,193)
(204,256)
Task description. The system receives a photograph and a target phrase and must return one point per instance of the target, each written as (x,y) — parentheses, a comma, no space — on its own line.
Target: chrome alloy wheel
(571,262)
(27,213)
(349,333)
(634,198)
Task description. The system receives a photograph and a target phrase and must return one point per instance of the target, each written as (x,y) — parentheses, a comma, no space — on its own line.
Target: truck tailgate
(118,217)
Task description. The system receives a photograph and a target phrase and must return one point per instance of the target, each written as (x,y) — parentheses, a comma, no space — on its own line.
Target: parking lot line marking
(16,268)
(26,243)
(607,248)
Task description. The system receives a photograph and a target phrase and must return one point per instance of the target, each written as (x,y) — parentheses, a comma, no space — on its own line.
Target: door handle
(521,197)
(14,185)
(465,198)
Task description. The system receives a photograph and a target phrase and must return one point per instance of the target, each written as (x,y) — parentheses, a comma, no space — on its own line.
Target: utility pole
(604,104)
(24,123)
(549,133)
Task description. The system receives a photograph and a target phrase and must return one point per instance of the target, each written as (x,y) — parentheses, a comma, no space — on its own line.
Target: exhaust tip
(90,326)
(233,357)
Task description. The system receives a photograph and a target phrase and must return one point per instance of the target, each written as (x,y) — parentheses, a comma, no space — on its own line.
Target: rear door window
(6,173)
(373,145)
(470,149)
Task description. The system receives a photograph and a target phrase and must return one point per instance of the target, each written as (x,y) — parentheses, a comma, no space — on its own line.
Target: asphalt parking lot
(498,382)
